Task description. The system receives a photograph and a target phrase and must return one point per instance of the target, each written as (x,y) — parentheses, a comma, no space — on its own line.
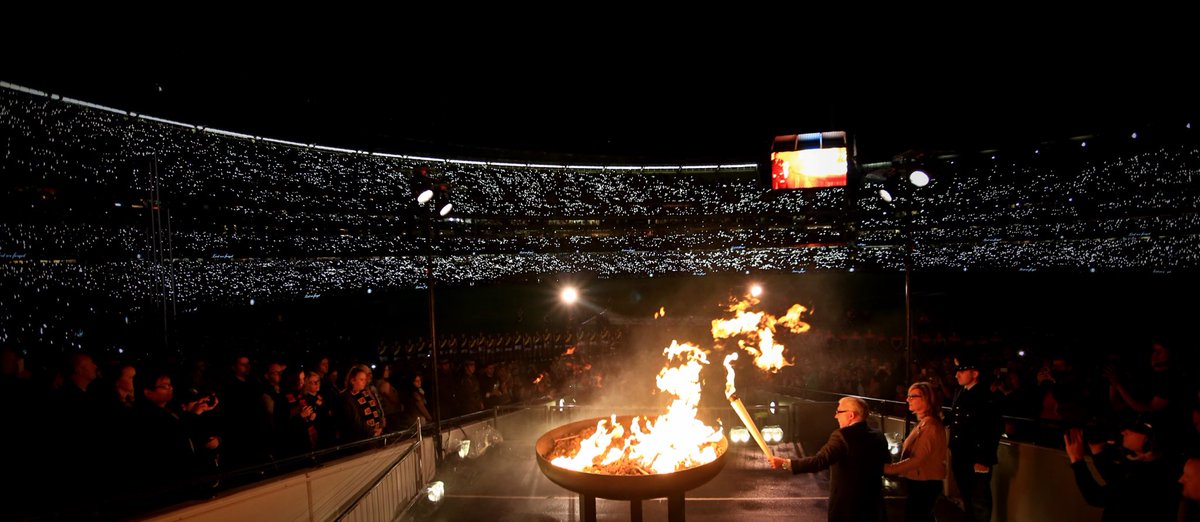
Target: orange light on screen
(810,168)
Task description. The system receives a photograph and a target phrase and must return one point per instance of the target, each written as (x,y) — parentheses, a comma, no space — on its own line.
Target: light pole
(918,179)
(424,199)
(569,296)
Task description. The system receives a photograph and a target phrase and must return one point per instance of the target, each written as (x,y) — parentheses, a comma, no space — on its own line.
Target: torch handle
(740,408)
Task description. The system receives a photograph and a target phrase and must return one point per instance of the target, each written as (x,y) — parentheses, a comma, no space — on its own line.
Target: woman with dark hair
(923,455)
(389,397)
(415,407)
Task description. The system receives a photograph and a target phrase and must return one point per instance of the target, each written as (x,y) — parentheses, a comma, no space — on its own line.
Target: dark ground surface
(505,484)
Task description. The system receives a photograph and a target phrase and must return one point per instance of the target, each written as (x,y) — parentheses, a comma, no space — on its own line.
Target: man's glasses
(839,412)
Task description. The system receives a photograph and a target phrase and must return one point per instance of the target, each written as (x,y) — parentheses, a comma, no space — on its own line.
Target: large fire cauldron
(591,486)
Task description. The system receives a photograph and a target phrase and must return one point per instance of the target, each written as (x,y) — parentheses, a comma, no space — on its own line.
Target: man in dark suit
(975,429)
(857,453)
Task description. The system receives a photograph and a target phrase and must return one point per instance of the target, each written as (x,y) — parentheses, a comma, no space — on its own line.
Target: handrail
(374,482)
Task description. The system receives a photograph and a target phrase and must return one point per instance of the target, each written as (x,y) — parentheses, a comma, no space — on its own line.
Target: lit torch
(731,394)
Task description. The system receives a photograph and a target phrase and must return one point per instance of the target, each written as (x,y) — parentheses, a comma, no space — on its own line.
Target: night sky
(650,105)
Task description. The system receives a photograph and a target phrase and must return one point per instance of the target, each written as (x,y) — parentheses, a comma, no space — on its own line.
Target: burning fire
(677,440)
(760,327)
(662,312)
(730,390)
(671,442)
(738,407)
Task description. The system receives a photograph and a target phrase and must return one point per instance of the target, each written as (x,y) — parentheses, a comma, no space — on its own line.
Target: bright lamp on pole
(918,178)
(569,295)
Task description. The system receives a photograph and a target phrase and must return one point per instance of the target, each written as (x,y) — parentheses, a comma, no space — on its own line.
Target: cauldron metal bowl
(623,487)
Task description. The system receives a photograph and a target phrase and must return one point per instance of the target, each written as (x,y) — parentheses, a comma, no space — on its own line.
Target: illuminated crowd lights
(1013,213)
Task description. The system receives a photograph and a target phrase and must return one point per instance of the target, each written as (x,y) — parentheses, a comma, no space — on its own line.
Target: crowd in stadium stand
(101,207)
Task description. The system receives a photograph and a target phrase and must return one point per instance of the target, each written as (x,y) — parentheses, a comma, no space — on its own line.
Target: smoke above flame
(756,332)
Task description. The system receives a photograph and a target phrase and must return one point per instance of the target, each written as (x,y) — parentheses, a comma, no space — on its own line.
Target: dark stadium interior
(177,219)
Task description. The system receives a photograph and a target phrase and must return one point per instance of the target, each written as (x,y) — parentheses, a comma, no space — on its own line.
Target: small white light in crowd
(1134,135)
(464,448)
(120,350)
(372,366)
(251,301)
(756,290)
(117,203)
(369,291)
(885,195)
(435,491)
(425,196)
(1084,144)
(1021,353)
(772,407)
(446,209)
(918,178)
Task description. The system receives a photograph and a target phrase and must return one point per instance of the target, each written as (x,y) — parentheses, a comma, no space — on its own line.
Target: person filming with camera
(1139,477)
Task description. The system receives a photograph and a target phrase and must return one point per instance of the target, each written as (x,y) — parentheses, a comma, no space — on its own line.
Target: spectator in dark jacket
(856,453)
(1140,485)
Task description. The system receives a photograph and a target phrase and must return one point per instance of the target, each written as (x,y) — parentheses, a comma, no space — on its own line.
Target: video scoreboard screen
(814,160)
